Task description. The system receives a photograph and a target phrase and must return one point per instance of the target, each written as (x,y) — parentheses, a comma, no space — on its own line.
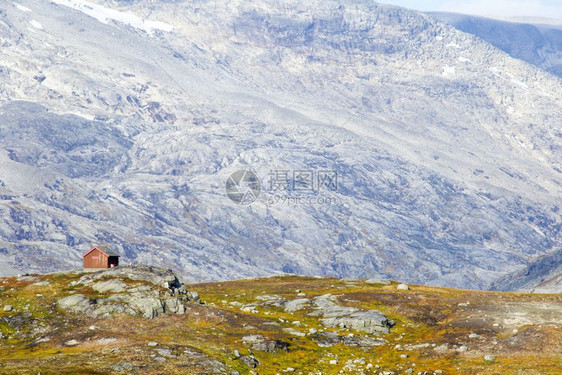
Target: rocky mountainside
(538,44)
(134,320)
(543,275)
(120,122)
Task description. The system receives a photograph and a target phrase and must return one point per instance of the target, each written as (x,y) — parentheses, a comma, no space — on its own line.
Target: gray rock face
(28,278)
(258,342)
(326,305)
(124,366)
(165,353)
(296,305)
(328,339)
(362,341)
(75,303)
(268,300)
(103,310)
(191,296)
(249,360)
(149,306)
(163,278)
(161,293)
(175,305)
(367,321)
(115,286)
(378,280)
(336,316)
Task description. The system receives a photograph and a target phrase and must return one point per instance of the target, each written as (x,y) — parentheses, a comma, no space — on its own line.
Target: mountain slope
(542,275)
(537,44)
(446,149)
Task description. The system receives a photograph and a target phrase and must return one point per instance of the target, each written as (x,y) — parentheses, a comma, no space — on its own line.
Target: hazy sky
(504,8)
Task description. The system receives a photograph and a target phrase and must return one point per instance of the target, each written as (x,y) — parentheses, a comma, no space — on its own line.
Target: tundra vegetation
(130,321)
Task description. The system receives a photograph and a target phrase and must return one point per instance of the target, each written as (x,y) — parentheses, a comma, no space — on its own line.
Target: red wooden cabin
(100,257)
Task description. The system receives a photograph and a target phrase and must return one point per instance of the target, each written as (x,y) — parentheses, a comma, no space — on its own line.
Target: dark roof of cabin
(105,249)
(108,251)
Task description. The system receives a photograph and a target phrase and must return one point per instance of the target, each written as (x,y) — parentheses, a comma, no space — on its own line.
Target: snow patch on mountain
(22,8)
(448,70)
(36,24)
(104,15)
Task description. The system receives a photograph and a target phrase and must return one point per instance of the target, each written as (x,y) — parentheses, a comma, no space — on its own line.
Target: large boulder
(335,316)
(370,321)
(76,303)
(258,342)
(296,305)
(378,280)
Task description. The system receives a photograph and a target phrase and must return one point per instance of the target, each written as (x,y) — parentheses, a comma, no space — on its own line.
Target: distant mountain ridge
(543,275)
(447,150)
(537,43)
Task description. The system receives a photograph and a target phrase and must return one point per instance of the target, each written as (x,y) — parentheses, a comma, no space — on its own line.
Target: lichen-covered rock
(174,306)
(75,303)
(272,300)
(296,305)
(113,285)
(336,316)
(102,310)
(326,306)
(258,342)
(193,297)
(378,280)
(160,292)
(370,321)
(250,361)
(161,277)
(149,307)
(328,339)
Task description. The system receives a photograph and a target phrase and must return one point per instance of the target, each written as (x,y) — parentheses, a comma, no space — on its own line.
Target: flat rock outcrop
(336,316)
(331,314)
(134,290)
